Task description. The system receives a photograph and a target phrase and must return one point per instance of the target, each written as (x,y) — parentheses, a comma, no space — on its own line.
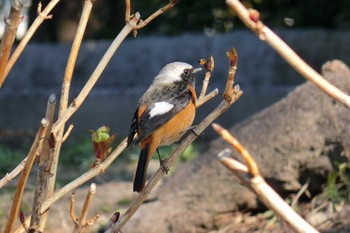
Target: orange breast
(173,130)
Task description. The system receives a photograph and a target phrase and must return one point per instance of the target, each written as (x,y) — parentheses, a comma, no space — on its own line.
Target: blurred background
(207,16)
(318,30)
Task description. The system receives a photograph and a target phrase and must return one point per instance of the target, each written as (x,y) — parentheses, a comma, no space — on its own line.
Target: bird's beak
(196,70)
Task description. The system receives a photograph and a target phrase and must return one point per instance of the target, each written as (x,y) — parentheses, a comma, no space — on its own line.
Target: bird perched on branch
(164,113)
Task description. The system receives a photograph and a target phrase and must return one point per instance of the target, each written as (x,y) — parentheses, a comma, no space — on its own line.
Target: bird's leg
(161,161)
(193,130)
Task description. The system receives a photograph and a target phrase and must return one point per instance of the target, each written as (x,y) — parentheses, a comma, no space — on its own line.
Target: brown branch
(34,150)
(8,38)
(71,209)
(74,106)
(81,223)
(42,15)
(251,20)
(127,11)
(94,171)
(170,161)
(60,136)
(209,67)
(43,172)
(143,23)
(248,158)
(10,176)
(206,98)
(257,184)
(233,59)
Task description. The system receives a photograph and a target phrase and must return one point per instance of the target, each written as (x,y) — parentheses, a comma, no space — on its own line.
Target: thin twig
(42,15)
(9,36)
(127,11)
(252,21)
(72,209)
(73,107)
(87,204)
(170,161)
(206,98)
(82,222)
(248,158)
(36,147)
(143,23)
(84,177)
(10,176)
(263,191)
(209,67)
(233,60)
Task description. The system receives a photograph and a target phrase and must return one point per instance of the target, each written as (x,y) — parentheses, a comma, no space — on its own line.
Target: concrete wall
(262,74)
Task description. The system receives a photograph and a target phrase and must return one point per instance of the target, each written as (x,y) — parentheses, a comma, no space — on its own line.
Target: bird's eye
(186,72)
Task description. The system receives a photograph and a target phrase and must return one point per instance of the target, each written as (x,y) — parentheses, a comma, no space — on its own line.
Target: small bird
(164,113)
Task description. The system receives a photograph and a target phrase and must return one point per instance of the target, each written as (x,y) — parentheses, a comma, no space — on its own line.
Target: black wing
(133,129)
(179,95)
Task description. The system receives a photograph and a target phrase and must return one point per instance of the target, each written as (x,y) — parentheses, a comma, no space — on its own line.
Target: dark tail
(141,170)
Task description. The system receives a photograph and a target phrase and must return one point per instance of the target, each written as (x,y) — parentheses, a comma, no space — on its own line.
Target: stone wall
(262,74)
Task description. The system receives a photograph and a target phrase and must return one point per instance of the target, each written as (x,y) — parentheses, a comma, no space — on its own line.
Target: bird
(163,114)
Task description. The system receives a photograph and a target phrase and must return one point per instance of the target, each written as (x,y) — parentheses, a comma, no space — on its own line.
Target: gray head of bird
(176,72)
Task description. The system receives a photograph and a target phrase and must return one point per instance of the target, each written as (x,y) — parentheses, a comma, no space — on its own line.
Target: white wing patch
(160,108)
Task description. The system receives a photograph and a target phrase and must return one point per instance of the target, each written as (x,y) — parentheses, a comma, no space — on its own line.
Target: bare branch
(9,37)
(72,209)
(10,176)
(233,59)
(36,147)
(95,76)
(143,23)
(209,67)
(43,172)
(252,21)
(87,204)
(257,184)
(94,171)
(248,158)
(43,15)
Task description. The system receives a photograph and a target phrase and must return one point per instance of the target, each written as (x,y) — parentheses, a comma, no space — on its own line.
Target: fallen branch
(252,179)
(171,160)
(251,19)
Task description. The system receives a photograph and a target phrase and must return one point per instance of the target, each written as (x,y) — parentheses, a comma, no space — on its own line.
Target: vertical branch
(8,38)
(43,173)
(82,221)
(64,101)
(42,15)
(36,147)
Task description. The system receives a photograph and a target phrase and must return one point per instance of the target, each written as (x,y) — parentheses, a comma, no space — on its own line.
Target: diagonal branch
(252,21)
(34,150)
(255,182)
(8,38)
(42,16)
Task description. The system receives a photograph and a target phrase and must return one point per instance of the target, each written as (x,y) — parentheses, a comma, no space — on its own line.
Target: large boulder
(295,140)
